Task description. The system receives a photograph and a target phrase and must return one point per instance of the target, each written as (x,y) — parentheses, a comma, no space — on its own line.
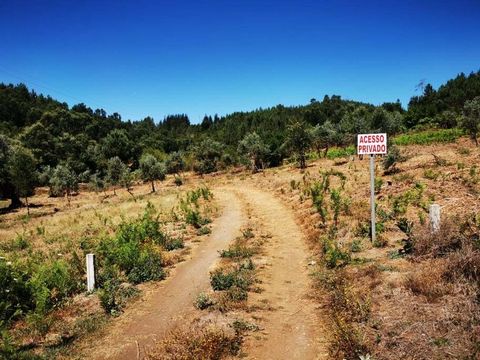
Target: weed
(205,230)
(237,251)
(241,326)
(431,174)
(356,245)
(203,301)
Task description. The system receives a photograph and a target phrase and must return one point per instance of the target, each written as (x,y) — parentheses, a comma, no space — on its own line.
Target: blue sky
(155,58)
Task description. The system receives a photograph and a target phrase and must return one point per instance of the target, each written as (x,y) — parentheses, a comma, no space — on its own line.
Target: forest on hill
(46,142)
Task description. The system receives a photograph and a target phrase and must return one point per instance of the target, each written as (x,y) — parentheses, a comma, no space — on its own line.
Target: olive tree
(151,169)
(115,170)
(299,140)
(63,181)
(208,155)
(17,171)
(253,147)
(22,171)
(471,118)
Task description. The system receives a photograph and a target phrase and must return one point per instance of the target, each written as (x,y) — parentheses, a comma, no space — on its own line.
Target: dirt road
(292,329)
(173,300)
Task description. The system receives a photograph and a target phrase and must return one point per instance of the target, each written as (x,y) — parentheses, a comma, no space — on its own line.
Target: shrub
(174,243)
(237,251)
(15,294)
(51,283)
(334,256)
(203,301)
(113,294)
(147,267)
(223,279)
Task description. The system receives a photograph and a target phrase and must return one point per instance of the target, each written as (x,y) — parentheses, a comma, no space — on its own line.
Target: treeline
(90,144)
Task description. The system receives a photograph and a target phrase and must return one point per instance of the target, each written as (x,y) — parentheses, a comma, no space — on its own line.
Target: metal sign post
(372,144)
(372,196)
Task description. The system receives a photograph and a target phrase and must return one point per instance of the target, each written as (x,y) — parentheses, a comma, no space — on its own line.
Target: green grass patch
(429,137)
(334,153)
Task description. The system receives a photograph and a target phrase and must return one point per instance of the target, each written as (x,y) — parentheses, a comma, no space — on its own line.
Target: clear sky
(155,58)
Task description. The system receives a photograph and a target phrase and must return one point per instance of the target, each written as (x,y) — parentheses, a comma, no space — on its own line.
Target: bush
(237,251)
(51,283)
(113,294)
(203,301)
(147,267)
(15,294)
(223,279)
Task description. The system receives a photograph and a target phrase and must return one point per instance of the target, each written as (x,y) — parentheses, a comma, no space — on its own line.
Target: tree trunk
(133,196)
(302,161)
(26,203)
(153,185)
(15,201)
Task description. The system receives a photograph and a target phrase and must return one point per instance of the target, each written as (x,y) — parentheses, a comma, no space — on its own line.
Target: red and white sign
(368,144)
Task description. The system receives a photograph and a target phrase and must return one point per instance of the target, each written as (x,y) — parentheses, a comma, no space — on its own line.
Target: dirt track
(173,300)
(290,330)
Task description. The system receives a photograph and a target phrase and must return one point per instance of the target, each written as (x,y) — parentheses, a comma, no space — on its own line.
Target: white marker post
(90,272)
(372,144)
(434,215)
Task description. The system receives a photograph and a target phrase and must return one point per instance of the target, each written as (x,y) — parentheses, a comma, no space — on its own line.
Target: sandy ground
(291,330)
(172,302)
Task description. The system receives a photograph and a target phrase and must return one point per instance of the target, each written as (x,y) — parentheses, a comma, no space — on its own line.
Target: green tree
(299,140)
(471,118)
(126,180)
(208,155)
(63,181)
(22,171)
(253,147)
(175,163)
(151,169)
(323,136)
(115,170)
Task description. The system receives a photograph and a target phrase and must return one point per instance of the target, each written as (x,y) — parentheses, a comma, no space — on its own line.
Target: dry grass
(207,341)
(428,280)
(425,306)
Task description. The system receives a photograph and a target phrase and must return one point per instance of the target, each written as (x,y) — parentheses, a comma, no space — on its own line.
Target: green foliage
(223,279)
(51,283)
(340,152)
(299,140)
(118,173)
(428,137)
(378,183)
(237,251)
(471,119)
(112,294)
(203,301)
(63,181)
(175,163)
(134,248)
(334,256)
(208,156)
(254,149)
(393,157)
(151,169)
(15,293)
